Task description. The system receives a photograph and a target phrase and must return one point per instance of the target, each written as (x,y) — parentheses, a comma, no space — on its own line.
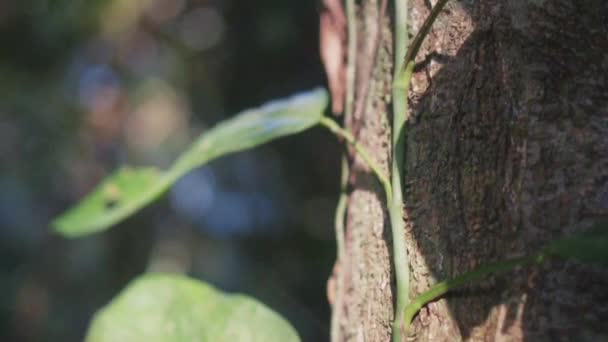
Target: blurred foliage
(168,308)
(90,85)
(129,189)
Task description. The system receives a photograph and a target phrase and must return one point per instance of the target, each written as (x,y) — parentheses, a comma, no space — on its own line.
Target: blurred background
(86,86)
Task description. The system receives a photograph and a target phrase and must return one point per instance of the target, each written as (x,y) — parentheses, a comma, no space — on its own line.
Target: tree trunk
(507,148)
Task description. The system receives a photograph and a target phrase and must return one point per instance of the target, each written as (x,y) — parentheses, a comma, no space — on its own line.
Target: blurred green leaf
(591,246)
(120,195)
(130,189)
(163,308)
(255,127)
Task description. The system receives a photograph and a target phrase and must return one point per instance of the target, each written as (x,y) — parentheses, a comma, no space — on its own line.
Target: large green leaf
(129,189)
(171,308)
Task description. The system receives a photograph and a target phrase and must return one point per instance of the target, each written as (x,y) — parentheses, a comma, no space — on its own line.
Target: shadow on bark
(508,149)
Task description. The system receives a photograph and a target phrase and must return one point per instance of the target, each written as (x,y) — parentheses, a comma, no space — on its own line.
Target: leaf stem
(414,47)
(480,272)
(346,135)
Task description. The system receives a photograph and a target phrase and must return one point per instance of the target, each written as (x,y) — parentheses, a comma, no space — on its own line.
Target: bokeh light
(88,86)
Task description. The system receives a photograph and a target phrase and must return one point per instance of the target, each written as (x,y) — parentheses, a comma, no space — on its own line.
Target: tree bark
(507,149)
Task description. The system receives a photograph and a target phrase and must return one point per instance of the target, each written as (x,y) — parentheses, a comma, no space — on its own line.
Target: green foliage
(588,247)
(130,189)
(167,308)
(119,196)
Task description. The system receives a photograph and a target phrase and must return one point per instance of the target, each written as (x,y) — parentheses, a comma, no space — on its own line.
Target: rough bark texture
(367,268)
(507,149)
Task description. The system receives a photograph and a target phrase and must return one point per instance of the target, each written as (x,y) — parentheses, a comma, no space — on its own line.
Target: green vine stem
(404,72)
(395,206)
(336,313)
(589,246)
(341,208)
(480,272)
(346,135)
(404,67)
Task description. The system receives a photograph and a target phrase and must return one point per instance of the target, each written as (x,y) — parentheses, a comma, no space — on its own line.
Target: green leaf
(255,127)
(591,246)
(130,189)
(164,308)
(119,196)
